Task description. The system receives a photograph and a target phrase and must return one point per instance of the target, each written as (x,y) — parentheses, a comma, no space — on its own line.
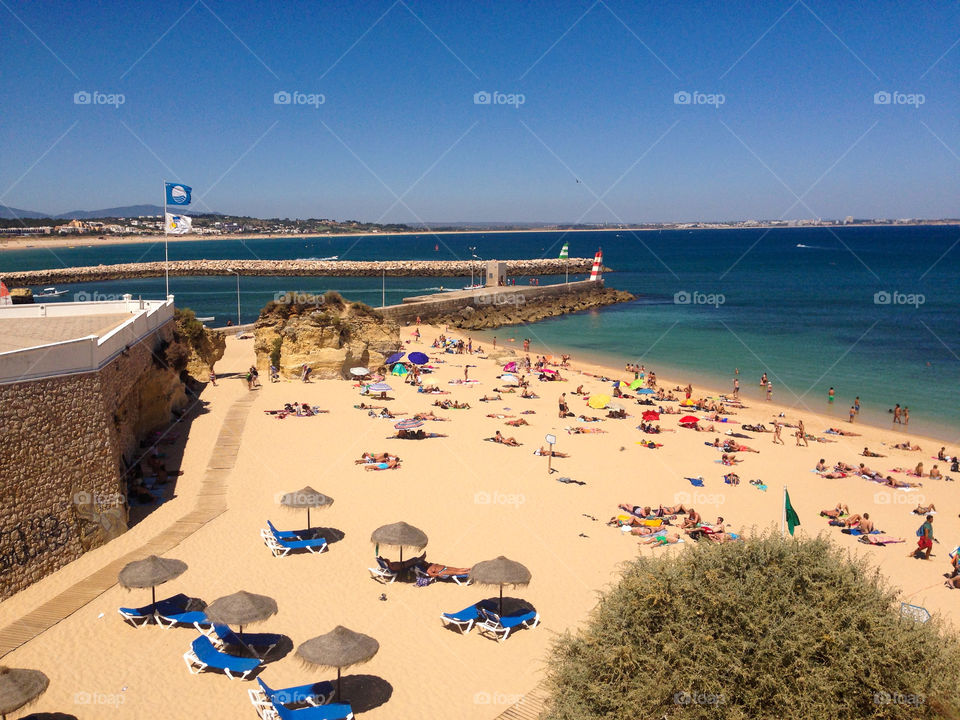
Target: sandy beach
(475,500)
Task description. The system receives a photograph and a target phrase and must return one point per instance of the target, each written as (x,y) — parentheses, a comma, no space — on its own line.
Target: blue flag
(178,194)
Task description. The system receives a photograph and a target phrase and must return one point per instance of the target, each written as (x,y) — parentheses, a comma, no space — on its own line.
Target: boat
(479,286)
(51,292)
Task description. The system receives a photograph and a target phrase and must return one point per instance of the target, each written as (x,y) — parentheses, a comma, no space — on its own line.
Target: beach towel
(663,544)
(650,445)
(570,481)
(856,532)
(759,487)
(696,482)
(880,539)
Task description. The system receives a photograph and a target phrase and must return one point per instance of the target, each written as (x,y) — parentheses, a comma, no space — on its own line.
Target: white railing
(84,354)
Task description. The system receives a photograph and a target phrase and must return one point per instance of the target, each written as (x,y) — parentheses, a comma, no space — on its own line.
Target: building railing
(85,354)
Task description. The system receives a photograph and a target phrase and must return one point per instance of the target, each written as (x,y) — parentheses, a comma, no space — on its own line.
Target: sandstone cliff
(324,332)
(530,310)
(205,347)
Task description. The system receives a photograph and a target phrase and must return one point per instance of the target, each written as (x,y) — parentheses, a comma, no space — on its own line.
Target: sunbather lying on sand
(584,431)
(905,446)
(852,521)
(391,464)
(925,510)
(375,458)
(498,438)
(838,431)
(495,398)
(517,423)
(529,395)
(549,453)
(894,483)
(867,452)
(836,512)
(668,539)
(430,416)
(436,570)
(729,459)
(404,434)
(756,428)
(364,406)
(731,447)
(586,419)
(451,405)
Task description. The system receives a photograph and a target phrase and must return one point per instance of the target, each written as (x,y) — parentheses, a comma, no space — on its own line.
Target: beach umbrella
(500,571)
(150,572)
(394,358)
(615,406)
(598,402)
(651,415)
(636,384)
(400,369)
(408,424)
(418,358)
(241,608)
(306,498)
(339,648)
(379,387)
(510,366)
(359,371)
(20,687)
(646,391)
(400,535)
(687,403)
(549,370)
(508,378)
(689,420)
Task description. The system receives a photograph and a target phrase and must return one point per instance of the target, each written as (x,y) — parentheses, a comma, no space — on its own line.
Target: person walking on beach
(831,395)
(494,342)
(736,387)
(897,413)
(466,373)
(769,389)
(563,405)
(801,434)
(213,378)
(925,543)
(853,412)
(776,432)
(470,345)
(526,344)
(418,320)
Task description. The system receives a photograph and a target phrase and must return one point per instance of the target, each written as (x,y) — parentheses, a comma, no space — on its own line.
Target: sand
(476,500)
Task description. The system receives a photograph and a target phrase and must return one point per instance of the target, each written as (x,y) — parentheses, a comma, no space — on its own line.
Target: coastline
(39,242)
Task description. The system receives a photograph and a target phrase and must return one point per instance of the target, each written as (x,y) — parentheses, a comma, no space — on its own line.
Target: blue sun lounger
(497,624)
(202,655)
(280,547)
(142,615)
(283,534)
(222,635)
(466,618)
(319,693)
(333,711)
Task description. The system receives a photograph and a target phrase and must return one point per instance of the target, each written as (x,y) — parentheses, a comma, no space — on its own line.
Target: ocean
(873,312)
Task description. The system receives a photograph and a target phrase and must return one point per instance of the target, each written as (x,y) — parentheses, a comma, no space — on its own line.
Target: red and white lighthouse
(597,264)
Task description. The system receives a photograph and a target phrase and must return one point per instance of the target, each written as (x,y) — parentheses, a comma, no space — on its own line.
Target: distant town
(216,224)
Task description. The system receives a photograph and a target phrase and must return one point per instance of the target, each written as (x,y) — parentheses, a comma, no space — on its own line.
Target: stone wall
(62,489)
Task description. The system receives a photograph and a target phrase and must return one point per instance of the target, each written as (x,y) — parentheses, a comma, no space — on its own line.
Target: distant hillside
(9,213)
(127,211)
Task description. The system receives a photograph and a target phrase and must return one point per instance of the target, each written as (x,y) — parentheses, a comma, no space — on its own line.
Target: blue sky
(398,118)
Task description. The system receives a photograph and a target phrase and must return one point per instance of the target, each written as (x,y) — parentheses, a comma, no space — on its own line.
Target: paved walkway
(210,502)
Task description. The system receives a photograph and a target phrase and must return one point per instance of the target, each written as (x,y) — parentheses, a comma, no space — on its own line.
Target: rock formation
(324,332)
(205,347)
(536,308)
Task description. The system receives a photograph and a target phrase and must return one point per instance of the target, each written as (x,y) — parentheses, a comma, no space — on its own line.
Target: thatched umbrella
(241,608)
(500,571)
(306,498)
(400,535)
(150,572)
(339,648)
(19,687)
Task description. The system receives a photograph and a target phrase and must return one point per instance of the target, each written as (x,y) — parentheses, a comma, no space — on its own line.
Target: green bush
(188,326)
(275,348)
(766,628)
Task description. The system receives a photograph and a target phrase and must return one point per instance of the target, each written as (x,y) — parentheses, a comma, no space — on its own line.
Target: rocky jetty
(534,308)
(294,268)
(325,332)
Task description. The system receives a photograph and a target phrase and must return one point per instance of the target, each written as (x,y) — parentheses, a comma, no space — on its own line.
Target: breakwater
(304,268)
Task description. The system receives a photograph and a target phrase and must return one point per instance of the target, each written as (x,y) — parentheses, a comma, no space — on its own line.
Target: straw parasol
(339,648)
(19,687)
(306,498)
(400,535)
(241,608)
(500,571)
(150,572)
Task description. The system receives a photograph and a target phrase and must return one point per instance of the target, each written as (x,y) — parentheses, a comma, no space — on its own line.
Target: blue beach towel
(696,482)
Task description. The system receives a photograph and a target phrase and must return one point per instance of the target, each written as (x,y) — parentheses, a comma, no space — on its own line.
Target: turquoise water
(798,304)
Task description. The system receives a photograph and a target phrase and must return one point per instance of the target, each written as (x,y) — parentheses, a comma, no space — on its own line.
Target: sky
(600,111)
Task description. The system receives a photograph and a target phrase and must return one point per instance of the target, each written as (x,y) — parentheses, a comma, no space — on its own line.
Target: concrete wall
(431,306)
(62,491)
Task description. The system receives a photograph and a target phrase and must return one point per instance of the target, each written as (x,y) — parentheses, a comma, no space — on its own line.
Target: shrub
(177,355)
(188,326)
(766,628)
(275,348)
(333,298)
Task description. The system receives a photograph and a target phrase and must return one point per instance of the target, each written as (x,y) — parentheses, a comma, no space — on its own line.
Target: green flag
(789,512)
(564,250)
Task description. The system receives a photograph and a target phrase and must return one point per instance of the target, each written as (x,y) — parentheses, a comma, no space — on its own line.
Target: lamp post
(231,270)
(473,254)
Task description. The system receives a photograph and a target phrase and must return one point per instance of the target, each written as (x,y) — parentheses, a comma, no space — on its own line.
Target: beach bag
(920,531)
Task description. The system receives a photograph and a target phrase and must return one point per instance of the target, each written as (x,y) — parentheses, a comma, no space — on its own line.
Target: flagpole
(166,254)
(783,512)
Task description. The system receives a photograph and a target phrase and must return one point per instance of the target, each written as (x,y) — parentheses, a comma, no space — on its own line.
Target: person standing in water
(853,412)
(763,380)
(736,387)
(769,390)
(856,404)
(830,396)
(896,413)
(906,416)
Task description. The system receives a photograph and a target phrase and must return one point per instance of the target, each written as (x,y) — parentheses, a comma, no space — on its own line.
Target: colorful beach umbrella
(400,369)
(508,378)
(408,424)
(418,358)
(394,358)
(359,371)
(651,415)
(636,384)
(646,391)
(598,402)
(510,366)
(689,420)
(687,403)
(379,387)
